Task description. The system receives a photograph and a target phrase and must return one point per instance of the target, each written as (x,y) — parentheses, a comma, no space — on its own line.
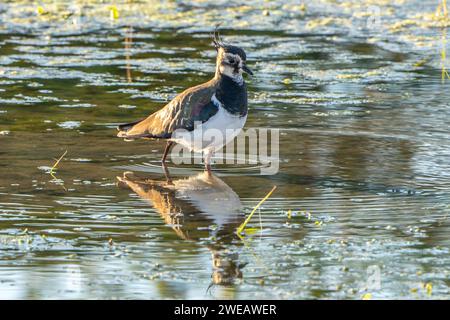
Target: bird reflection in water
(197,208)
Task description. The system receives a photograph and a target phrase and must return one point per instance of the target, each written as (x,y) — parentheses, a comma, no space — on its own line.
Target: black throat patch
(232,95)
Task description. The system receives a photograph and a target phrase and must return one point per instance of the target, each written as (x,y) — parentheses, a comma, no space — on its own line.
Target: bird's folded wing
(194,104)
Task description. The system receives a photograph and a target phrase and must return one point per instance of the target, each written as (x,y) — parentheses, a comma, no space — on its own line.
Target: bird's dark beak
(247,70)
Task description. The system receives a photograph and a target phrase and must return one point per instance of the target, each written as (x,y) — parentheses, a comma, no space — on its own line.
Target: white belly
(212,135)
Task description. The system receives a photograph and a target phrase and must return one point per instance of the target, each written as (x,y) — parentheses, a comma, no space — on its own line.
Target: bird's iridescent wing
(194,104)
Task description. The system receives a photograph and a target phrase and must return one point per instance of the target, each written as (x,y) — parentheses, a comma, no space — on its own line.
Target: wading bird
(219,105)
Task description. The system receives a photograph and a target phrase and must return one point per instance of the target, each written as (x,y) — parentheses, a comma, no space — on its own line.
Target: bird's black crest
(217,40)
(218,43)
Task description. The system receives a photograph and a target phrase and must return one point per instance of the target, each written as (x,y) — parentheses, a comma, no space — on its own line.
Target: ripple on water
(69,124)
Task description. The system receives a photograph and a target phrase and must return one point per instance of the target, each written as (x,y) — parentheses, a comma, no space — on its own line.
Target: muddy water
(363,116)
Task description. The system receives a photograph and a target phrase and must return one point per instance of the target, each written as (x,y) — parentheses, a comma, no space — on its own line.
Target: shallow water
(363,116)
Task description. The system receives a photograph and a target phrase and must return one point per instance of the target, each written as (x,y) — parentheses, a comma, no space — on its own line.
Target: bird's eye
(231,60)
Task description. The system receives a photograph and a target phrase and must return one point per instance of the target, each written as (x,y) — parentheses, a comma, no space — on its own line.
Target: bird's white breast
(214,133)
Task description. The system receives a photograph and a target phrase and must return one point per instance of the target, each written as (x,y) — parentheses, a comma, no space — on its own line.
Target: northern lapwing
(219,105)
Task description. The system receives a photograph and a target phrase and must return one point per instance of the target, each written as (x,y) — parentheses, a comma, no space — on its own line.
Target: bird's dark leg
(163,161)
(166,152)
(167,173)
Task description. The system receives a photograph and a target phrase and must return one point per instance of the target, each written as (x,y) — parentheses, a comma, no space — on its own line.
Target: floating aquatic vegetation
(429,288)
(359,75)
(114,12)
(41,11)
(323,22)
(367,296)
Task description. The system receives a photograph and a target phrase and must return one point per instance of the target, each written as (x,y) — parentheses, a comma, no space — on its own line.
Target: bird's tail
(127,126)
(149,127)
(124,128)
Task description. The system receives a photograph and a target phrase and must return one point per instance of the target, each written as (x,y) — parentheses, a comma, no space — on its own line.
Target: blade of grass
(52,170)
(242,226)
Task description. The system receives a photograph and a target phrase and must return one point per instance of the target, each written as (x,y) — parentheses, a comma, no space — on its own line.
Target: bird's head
(231,60)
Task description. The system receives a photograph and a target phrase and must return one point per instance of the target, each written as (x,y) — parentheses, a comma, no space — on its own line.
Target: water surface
(363,115)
